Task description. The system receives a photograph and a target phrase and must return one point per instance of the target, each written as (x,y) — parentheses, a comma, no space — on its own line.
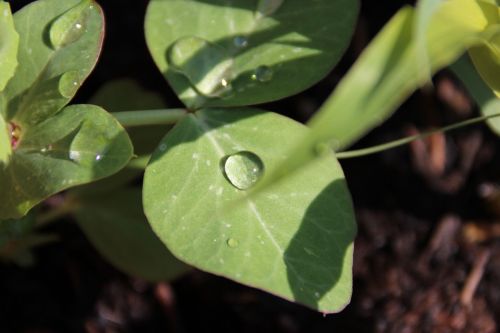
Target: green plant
(231,189)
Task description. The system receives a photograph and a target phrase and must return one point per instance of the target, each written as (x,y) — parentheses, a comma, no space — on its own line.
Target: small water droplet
(268,7)
(69,27)
(98,157)
(263,74)
(243,169)
(207,66)
(74,155)
(240,42)
(69,83)
(232,243)
(317,294)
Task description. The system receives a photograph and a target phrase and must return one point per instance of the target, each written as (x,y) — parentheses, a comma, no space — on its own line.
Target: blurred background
(427,255)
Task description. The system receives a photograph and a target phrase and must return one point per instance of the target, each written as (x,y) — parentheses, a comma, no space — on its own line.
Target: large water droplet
(263,74)
(243,169)
(207,66)
(70,26)
(69,84)
(268,7)
(240,42)
(232,243)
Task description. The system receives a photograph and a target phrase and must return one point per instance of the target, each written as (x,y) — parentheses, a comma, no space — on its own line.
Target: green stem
(403,141)
(149,117)
(139,163)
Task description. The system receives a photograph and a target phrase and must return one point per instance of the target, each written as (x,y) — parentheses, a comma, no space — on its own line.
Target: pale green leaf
(384,76)
(294,241)
(9,42)
(242,52)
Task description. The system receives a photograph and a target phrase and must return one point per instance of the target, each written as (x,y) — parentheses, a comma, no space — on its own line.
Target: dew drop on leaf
(240,42)
(232,243)
(69,84)
(243,169)
(207,66)
(263,74)
(75,155)
(70,26)
(268,7)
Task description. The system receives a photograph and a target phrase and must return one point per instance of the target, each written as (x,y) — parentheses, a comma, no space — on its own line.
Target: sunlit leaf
(294,241)
(384,76)
(9,41)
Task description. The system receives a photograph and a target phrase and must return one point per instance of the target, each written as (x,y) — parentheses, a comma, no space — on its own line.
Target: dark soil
(427,255)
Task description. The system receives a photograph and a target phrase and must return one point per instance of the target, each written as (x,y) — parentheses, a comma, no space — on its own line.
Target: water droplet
(232,243)
(240,42)
(69,83)
(98,157)
(163,147)
(69,27)
(268,7)
(74,155)
(243,169)
(207,66)
(263,74)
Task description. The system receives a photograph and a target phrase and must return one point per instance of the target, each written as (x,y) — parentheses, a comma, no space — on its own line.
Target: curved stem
(149,117)
(403,141)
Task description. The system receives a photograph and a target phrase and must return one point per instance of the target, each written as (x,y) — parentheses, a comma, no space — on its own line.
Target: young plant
(231,189)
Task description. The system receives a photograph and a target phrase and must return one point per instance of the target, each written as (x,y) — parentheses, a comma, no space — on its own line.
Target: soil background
(427,255)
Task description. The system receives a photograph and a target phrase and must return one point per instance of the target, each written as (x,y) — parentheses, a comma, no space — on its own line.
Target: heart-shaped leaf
(242,52)
(9,42)
(80,144)
(294,241)
(49,75)
(44,150)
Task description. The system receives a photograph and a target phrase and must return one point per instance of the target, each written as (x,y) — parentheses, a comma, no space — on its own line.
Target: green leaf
(294,241)
(115,224)
(80,144)
(424,12)
(9,43)
(45,150)
(5,144)
(241,52)
(49,75)
(487,101)
(384,76)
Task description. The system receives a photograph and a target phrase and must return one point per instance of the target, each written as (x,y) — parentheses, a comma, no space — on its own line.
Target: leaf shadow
(314,265)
